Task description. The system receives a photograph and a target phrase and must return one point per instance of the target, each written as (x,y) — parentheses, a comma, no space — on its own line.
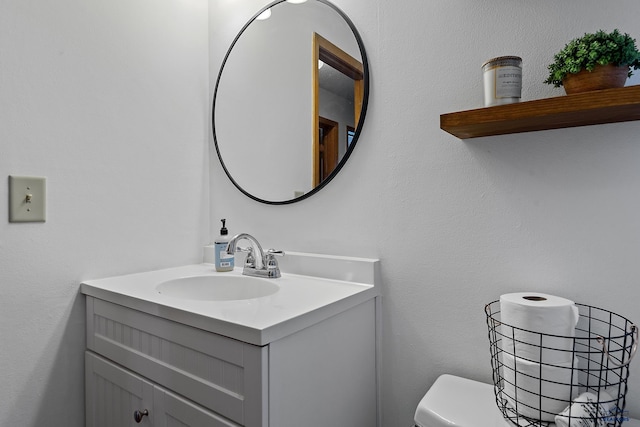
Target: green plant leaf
(599,48)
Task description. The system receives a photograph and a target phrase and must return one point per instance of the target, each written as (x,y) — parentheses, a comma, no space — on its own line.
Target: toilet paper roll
(538,327)
(536,390)
(585,411)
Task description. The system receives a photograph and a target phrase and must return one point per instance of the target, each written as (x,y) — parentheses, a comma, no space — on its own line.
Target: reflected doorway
(345,89)
(327,157)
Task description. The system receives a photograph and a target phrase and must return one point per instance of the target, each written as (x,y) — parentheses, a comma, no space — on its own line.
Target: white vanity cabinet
(322,375)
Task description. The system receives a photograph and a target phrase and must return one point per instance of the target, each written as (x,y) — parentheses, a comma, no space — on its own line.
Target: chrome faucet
(258,262)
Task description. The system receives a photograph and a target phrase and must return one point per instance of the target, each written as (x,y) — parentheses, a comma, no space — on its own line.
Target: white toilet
(458,402)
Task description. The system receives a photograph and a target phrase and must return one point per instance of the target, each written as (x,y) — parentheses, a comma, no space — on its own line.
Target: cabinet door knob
(137,415)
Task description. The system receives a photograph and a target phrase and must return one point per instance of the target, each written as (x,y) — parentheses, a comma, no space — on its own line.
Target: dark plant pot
(602,77)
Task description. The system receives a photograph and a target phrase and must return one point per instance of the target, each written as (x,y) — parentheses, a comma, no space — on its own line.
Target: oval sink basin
(217,288)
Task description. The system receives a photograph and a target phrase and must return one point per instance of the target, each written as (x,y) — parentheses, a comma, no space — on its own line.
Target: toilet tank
(458,402)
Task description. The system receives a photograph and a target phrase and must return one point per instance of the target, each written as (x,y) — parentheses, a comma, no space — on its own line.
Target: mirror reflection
(290,100)
(337,95)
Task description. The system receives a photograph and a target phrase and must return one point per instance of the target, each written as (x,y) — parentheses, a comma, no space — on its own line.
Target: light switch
(26,199)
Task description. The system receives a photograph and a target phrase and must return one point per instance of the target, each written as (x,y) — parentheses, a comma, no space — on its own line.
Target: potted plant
(595,61)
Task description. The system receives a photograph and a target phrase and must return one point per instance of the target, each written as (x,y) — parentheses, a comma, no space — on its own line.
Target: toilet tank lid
(454,401)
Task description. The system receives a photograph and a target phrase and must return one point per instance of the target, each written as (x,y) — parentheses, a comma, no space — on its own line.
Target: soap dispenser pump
(223,260)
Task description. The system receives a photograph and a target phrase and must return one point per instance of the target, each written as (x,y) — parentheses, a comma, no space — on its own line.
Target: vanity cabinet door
(113,395)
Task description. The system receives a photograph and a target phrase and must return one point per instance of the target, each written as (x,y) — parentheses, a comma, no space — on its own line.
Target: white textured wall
(457,223)
(108,100)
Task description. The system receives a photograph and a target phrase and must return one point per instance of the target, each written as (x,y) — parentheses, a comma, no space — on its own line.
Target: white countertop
(301,302)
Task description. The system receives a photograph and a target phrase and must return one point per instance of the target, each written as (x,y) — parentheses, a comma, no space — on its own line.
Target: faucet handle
(271,262)
(274,252)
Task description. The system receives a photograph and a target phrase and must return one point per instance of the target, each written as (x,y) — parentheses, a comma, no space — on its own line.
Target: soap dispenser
(223,260)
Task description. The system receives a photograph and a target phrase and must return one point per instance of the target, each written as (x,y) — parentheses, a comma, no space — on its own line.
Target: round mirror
(290,100)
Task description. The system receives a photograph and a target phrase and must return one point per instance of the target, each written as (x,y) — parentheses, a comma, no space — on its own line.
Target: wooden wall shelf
(592,108)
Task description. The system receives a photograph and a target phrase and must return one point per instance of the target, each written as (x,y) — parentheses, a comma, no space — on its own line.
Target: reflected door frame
(332,55)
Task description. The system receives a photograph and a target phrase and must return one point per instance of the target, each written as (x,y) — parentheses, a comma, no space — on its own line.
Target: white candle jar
(502,80)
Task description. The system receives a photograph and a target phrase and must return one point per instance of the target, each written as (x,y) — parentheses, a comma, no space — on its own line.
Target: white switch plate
(27,199)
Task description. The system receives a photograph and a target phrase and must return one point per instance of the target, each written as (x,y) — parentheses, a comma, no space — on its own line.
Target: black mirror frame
(356,137)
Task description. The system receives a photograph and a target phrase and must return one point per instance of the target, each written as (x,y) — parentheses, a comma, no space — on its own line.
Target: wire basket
(592,366)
